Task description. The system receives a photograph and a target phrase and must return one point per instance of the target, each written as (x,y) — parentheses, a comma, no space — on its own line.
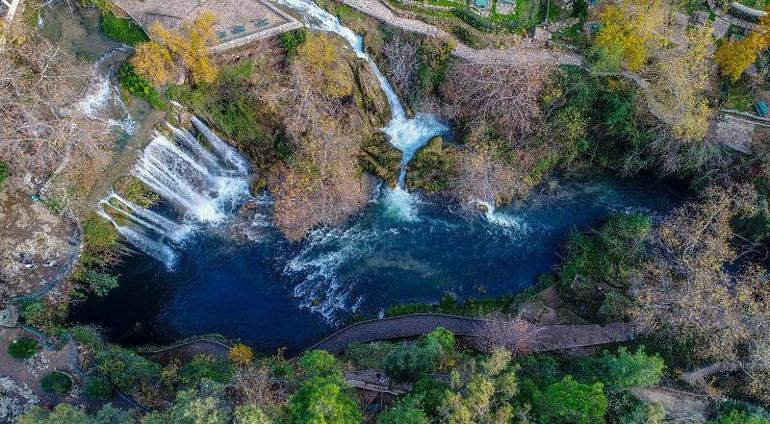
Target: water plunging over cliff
(203,183)
(405,134)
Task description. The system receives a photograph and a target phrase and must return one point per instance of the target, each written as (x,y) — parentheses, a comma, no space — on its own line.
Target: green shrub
(23,348)
(411,360)
(87,336)
(127,370)
(405,411)
(4,171)
(322,399)
(291,40)
(626,408)
(430,394)
(99,234)
(319,363)
(97,388)
(203,367)
(465,36)
(568,401)
(138,86)
(57,382)
(473,19)
(740,417)
(100,282)
(432,167)
(624,369)
(369,355)
(124,30)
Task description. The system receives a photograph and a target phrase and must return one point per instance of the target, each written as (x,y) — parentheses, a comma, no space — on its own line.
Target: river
(243,280)
(204,265)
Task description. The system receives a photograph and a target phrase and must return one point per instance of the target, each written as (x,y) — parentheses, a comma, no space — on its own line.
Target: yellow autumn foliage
(332,75)
(153,62)
(734,57)
(187,46)
(630,27)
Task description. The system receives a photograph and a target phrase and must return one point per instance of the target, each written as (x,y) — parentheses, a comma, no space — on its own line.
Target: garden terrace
(238,22)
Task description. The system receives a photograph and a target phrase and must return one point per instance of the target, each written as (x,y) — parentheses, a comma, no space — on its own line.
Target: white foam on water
(401,205)
(511,224)
(203,186)
(324,252)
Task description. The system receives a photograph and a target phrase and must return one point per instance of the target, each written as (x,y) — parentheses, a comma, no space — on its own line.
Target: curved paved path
(550,337)
(523,54)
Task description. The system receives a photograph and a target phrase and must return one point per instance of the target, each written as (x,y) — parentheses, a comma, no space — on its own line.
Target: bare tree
(482,179)
(510,332)
(502,98)
(321,185)
(401,55)
(40,125)
(254,385)
(684,292)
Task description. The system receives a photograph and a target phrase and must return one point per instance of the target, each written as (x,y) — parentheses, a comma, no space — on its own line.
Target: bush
(126,369)
(4,171)
(87,336)
(623,370)
(241,355)
(291,40)
(625,408)
(369,355)
(202,367)
(473,19)
(138,86)
(431,168)
(319,363)
(568,401)
(122,29)
(322,399)
(23,348)
(405,411)
(99,234)
(97,388)
(57,382)
(100,283)
(411,360)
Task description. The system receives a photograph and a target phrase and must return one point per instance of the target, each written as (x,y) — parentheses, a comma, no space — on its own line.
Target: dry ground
(35,243)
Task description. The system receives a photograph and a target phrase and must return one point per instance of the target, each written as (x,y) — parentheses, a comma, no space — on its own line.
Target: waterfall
(407,135)
(203,183)
(102,99)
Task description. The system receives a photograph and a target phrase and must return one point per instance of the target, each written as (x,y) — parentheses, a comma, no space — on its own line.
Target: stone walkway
(550,337)
(523,54)
(733,20)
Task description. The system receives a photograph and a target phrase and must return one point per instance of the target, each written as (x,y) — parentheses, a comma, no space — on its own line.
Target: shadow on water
(245,281)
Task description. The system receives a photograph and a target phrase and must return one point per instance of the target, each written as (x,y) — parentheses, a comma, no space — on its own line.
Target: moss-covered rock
(369,96)
(432,167)
(380,158)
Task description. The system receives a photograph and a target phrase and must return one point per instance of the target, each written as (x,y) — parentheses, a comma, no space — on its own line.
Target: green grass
(139,87)
(755,4)
(122,29)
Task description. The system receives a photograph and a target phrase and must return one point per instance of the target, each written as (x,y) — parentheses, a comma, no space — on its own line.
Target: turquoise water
(243,280)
